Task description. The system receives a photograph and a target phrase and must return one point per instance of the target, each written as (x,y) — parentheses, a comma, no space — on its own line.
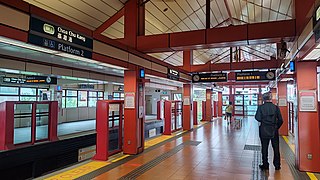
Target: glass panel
(71,102)
(64,93)
(9,98)
(22,123)
(122,95)
(9,90)
(71,93)
(92,102)
(92,94)
(63,102)
(28,91)
(28,98)
(40,91)
(82,99)
(100,94)
(116,95)
(42,121)
(177,97)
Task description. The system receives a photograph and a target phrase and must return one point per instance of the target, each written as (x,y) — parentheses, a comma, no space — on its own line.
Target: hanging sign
(57,32)
(256,76)
(13,80)
(173,74)
(41,80)
(53,36)
(59,46)
(307,100)
(129,100)
(210,77)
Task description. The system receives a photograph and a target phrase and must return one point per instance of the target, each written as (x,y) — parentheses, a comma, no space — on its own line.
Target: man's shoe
(278,168)
(263,167)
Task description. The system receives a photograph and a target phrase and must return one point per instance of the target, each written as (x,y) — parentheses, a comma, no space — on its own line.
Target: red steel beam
(110,21)
(249,34)
(270,64)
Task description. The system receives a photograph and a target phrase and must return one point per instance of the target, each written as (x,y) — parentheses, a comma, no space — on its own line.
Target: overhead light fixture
(25,45)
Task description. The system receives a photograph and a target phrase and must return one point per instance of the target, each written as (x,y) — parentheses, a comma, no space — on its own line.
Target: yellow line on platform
(79,171)
(311,175)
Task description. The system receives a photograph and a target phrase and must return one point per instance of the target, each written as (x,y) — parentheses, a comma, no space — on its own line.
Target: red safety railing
(109,121)
(27,122)
(172,116)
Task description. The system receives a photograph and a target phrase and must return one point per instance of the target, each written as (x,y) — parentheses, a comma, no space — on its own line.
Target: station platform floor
(212,150)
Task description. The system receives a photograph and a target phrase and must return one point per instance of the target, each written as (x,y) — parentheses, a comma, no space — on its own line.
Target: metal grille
(252,147)
(146,167)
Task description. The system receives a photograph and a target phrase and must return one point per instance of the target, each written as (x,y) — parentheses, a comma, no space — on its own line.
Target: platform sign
(41,80)
(57,32)
(13,80)
(210,77)
(173,74)
(59,46)
(53,36)
(256,76)
(307,100)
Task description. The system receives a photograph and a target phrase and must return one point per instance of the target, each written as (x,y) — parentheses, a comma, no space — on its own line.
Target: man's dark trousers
(275,145)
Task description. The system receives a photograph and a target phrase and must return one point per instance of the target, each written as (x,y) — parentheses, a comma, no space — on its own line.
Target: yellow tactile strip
(292,147)
(95,165)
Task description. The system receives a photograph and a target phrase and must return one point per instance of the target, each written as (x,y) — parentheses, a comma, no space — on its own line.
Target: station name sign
(31,80)
(210,77)
(59,38)
(173,74)
(256,76)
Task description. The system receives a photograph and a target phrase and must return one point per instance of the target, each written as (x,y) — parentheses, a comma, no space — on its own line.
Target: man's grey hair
(267,96)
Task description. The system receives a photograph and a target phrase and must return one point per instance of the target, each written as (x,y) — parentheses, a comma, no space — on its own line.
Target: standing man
(270,119)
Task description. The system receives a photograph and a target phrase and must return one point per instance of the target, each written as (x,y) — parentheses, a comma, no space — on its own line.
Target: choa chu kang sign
(56,37)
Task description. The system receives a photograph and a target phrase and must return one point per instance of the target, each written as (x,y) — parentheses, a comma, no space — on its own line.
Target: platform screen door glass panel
(42,121)
(250,104)
(238,105)
(114,122)
(22,123)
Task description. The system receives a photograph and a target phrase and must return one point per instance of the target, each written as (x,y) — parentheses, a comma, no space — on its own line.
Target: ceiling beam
(248,34)
(110,21)
(208,9)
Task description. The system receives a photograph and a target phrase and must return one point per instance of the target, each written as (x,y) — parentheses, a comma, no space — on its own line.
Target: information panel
(256,76)
(30,80)
(307,100)
(210,77)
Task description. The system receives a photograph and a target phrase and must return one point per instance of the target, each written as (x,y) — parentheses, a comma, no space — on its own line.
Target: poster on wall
(282,101)
(307,100)
(129,100)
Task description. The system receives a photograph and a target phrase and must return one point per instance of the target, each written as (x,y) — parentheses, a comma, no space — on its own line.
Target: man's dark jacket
(269,116)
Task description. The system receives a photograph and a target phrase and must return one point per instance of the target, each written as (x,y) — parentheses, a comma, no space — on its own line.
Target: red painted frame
(168,117)
(102,128)
(7,121)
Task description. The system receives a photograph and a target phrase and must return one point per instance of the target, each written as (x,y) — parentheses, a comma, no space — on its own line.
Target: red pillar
(195,113)
(187,114)
(133,113)
(220,104)
(308,145)
(134,22)
(283,105)
(187,60)
(208,105)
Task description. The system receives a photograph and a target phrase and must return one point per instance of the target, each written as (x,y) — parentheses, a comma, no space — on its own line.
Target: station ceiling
(167,16)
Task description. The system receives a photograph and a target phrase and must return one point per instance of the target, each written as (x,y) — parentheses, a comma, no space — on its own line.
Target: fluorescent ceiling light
(313,55)
(25,45)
